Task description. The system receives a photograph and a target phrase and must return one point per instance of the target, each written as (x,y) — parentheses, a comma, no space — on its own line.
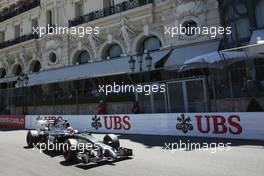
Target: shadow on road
(51,154)
(80,165)
(159,141)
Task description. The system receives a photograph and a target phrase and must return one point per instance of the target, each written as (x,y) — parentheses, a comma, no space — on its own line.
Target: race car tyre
(32,138)
(70,150)
(111,140)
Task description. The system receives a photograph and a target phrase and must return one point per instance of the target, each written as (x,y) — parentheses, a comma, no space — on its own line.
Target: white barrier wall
(222,125)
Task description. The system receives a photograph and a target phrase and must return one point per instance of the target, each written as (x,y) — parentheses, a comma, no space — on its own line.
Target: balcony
(18,40)
(124,6)
(18,9)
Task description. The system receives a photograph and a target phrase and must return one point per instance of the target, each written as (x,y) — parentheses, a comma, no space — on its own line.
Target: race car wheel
(111,140)
(32,138)
(70,150)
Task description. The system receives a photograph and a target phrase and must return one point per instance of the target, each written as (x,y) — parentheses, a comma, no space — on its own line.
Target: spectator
(135,108)
(101,108)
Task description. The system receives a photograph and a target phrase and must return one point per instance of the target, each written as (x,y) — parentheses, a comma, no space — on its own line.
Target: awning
(8,79)
(257,37)
(92,70)
(257,44)
(98,69)
(180,55)
(214,60)
(156,57)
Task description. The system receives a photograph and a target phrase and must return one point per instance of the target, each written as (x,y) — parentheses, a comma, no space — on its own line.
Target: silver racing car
(76,145)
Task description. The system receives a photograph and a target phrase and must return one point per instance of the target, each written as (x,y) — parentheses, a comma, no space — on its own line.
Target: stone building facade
(126,28)
(143,21)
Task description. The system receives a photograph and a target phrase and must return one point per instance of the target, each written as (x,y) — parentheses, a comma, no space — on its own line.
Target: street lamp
(132,63)
(148,61)
(140,61)
(139,57)
(22,81)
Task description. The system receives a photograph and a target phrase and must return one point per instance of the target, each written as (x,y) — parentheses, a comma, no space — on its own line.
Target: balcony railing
(124,6)
(18,40)
(11,12)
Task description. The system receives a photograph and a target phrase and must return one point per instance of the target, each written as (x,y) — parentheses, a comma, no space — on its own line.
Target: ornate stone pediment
(52,42)
(186,8)
(9,59)
(189,7)
(24,55)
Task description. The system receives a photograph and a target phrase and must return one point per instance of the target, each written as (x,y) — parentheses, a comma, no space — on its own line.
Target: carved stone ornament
(9,59)
(189,7)
(126,32)
(94,42)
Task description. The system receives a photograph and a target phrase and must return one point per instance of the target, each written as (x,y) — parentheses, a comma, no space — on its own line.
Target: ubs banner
(223,125)
(12,121)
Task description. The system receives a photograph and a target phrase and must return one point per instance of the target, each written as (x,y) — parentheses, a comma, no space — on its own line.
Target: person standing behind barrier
(101,108)
(135,108)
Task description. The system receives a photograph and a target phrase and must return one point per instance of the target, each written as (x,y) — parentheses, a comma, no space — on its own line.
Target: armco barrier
(222,125)
(12,121)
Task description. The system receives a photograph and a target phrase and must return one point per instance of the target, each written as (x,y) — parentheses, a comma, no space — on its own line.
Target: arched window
(189,27)
(150,44)
(18,70)
(52,57)
(113,51)
(36,66)
(82,58)
(260,14)
(2,73)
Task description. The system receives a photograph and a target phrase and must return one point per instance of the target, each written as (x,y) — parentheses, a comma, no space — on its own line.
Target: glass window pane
(83,57)
(2,73)
(144,103)
(243,28)
(195,94)
(241,8)
(152,44)
(175,93)
(115,51)
(159,102)
(260,14)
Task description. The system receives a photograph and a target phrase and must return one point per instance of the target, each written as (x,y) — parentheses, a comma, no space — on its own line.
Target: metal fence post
(53,102)
(77,101)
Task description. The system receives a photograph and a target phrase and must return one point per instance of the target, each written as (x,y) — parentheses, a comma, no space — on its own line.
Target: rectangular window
(34,23)
(108,3)
(49,18)
(17,31)
(2,36)
(78,9)
(243,27)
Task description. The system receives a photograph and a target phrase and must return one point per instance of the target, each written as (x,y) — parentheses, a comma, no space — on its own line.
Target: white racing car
(76,145)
